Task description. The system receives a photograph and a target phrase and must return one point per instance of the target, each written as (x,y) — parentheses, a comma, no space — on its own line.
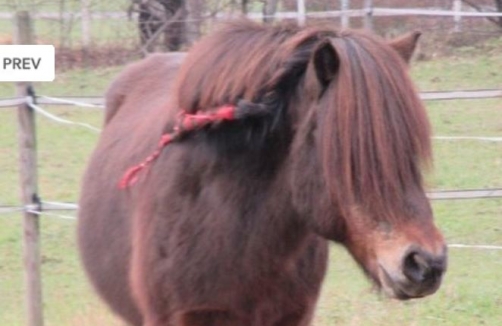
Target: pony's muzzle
(419,275)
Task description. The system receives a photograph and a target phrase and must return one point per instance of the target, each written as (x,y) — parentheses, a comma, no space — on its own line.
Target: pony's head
(345,123)
(365,137)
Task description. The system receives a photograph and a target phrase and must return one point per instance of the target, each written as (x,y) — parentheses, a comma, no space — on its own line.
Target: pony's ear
(326,62)
(405,45)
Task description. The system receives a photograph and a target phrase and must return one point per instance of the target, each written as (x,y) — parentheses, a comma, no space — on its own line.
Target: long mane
(374,134)
(374,129)
(244,60)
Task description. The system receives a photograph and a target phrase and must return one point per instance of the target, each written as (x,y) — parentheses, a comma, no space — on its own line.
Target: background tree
(160,17)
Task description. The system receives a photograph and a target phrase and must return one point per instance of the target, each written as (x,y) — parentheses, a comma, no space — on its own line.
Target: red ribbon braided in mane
(185,123)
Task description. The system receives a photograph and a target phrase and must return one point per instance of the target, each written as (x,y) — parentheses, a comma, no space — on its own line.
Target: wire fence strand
(71,102)
(474,138)
(30,103)
(68,206)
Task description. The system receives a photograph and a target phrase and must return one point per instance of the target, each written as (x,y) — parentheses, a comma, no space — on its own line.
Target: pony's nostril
(416,267)
(419,274)
(423,268)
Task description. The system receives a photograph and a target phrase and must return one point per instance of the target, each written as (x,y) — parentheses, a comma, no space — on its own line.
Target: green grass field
(472,290)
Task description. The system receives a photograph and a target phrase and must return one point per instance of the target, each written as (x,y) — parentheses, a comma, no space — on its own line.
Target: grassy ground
(471,294)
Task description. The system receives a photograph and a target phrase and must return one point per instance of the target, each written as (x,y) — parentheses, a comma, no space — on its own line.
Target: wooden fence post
(300,7)
(345,19)
(457,7)
(86,23)
(368,18)
(28,178)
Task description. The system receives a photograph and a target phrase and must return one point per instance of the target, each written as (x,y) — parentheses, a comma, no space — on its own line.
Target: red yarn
(185,123)
(188,122)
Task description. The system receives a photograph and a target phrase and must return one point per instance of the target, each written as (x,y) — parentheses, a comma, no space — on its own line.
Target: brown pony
(230,224)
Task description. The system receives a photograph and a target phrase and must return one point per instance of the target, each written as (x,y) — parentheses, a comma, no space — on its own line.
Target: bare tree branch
(496,20)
